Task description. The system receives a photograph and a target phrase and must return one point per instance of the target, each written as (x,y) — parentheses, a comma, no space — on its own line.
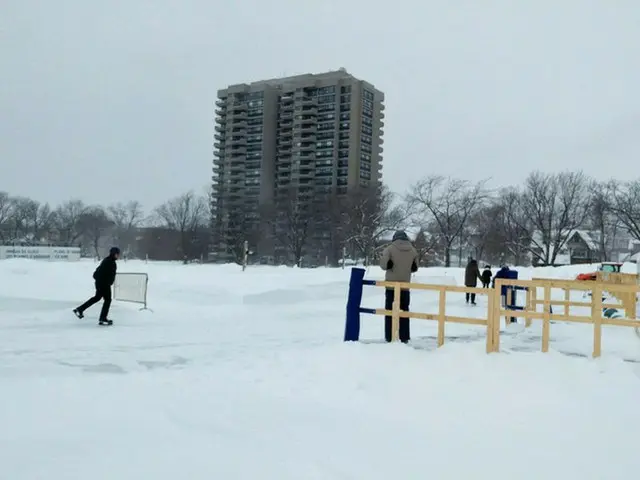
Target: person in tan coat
(399,260)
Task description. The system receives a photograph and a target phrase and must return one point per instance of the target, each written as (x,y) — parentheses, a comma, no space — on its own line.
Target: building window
(345,89)
(327,99)
(327,90)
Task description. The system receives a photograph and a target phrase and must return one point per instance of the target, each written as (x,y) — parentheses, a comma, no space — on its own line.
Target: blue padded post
(511,275)
(352,319)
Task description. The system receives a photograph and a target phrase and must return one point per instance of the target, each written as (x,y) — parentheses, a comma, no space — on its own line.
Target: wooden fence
(500,306)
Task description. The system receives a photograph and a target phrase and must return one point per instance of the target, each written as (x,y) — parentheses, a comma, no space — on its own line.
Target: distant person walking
(486,276)
(399,260)
(471,276)
(104,277)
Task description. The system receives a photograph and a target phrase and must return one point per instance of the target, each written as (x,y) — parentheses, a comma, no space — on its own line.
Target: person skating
(399,260)
(471,276)
(104,277)
(486,276)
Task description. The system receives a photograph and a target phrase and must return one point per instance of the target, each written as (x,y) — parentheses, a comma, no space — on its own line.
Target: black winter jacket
(105,274)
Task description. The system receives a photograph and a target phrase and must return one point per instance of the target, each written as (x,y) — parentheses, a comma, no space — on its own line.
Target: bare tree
(6,211)
(188,215)
(292,219)
(126,218)
(425,244)
(40,221)
(625,204)
(556,205)
(369,214)
(18,221)
(512,240)
(94,223)
(447,201)
(67,218)
(601,218)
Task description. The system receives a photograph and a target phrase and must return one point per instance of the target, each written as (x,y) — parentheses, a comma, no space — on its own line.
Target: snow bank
(243,375)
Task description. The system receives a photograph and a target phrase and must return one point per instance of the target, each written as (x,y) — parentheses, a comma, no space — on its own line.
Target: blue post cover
(511,275)
(352,321)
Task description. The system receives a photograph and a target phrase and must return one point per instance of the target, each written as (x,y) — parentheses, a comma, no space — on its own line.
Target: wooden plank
(432,287)
(395,316)
(433,316)
(546,319)
(596,314)
(495,299)
(441,316)
(491,313)
(621,322)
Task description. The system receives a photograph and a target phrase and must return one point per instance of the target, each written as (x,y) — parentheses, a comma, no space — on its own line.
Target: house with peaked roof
(584,246)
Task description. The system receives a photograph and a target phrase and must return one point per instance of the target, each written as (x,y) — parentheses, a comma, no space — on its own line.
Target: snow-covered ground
(245,376)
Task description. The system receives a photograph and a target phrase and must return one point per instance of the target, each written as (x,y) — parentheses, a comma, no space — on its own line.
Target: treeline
(531,222)
(449,219)
(452,219)
(177,229)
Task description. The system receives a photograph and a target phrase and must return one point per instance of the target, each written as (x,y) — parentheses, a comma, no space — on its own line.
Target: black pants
(486,285)
(405,298)
(102,291)
(472,296)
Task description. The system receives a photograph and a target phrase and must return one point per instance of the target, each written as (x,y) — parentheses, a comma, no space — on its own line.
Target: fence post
(596,315)
(395,317)
(546,318)
(352,319)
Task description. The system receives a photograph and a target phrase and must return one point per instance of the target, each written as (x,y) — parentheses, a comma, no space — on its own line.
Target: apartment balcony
(285,148)
(221,102)
(221,112)
(239,125)
(307,147)
(237,107)
(218,153)
(310,110)
(219,136)
(307,137)
(238,116)
(305,99)
(219,145)
(220,128)
(308,128)
(237,152)
(285,137)
(236,142)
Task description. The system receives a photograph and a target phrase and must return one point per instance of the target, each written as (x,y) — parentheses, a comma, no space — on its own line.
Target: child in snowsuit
(486,277)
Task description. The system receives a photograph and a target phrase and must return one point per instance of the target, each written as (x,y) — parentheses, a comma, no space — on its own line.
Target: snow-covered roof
(583,234)
(586,238)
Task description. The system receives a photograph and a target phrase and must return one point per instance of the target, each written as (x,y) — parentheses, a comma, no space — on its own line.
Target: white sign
(68,254)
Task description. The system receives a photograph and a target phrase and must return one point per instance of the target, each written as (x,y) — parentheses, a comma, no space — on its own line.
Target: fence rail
(502,304)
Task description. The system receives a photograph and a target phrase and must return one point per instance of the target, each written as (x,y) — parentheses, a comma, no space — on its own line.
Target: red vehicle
(611,267)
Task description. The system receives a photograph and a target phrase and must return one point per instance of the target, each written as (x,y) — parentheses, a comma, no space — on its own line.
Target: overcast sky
(113,100)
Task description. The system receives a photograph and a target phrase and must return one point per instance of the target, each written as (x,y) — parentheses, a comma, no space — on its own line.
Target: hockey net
(131,287)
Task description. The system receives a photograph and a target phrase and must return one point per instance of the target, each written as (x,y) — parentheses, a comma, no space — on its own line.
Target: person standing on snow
(104,277)
(471,276)
(486,276)
(399,260)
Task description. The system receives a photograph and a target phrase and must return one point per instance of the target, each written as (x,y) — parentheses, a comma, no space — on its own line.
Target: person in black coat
(104,277)
(486,276)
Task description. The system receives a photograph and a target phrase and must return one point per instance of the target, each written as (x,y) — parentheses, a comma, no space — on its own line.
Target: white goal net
(131,287)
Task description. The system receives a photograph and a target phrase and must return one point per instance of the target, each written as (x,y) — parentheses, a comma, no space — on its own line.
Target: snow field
(243,375)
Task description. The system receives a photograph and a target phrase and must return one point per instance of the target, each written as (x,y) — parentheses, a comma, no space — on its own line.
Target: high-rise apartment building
(312,136)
